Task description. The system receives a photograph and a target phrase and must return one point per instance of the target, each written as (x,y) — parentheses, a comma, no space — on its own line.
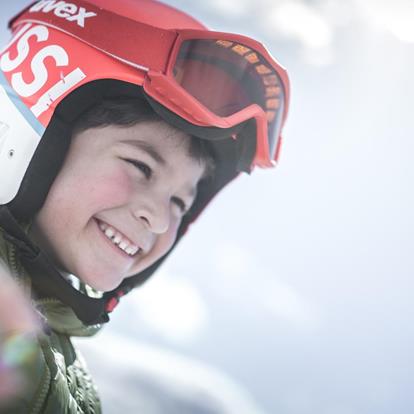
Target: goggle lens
(227,77)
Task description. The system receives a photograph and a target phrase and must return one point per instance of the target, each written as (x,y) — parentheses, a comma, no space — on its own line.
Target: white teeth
(118,239)
(131,250)
(109,232)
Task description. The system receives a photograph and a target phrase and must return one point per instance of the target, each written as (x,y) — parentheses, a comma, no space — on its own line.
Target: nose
(154,214)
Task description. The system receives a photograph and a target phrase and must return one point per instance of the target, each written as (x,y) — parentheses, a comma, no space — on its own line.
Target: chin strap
(47,280)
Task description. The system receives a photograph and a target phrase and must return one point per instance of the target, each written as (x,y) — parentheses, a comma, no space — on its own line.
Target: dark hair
(125,112)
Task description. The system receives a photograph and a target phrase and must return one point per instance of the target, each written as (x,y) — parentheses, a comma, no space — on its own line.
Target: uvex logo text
(69,11)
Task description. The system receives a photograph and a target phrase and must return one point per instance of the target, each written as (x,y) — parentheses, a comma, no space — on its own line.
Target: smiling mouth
(118,239)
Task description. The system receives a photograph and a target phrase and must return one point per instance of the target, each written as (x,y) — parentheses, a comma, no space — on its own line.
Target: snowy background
(293,293)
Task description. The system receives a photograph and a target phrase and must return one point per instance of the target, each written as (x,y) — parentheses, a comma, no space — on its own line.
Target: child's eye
(144,168)
(180,204)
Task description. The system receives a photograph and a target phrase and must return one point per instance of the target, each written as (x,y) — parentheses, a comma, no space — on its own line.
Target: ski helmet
(66,56)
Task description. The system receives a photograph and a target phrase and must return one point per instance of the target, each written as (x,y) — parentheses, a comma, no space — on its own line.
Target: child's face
(130,185)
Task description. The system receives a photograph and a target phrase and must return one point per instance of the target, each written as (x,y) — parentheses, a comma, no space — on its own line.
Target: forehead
(159,134)
(164,143)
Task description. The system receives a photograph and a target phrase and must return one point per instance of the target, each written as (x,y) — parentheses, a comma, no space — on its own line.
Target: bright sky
(297,282)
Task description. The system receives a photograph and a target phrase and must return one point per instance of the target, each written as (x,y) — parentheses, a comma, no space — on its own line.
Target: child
(119,122)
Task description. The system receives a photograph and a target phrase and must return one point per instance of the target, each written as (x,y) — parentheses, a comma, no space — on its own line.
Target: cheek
(166,240)
(72,201)
(110,189)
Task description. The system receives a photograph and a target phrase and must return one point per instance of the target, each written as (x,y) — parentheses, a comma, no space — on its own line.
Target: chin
(101,283)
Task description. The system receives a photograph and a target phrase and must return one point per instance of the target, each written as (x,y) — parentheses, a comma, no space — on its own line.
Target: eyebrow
(148,148)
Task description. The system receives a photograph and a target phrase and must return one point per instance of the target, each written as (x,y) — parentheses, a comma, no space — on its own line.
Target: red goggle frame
(208,78)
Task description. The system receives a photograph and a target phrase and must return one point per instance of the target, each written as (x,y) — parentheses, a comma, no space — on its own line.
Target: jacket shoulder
(56,380)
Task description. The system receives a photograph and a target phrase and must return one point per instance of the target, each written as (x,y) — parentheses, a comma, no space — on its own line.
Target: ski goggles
(208,78)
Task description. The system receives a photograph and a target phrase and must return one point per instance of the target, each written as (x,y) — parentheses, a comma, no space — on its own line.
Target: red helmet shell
(66,63)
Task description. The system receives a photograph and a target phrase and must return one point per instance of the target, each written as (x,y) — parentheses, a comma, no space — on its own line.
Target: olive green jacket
(56,378)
